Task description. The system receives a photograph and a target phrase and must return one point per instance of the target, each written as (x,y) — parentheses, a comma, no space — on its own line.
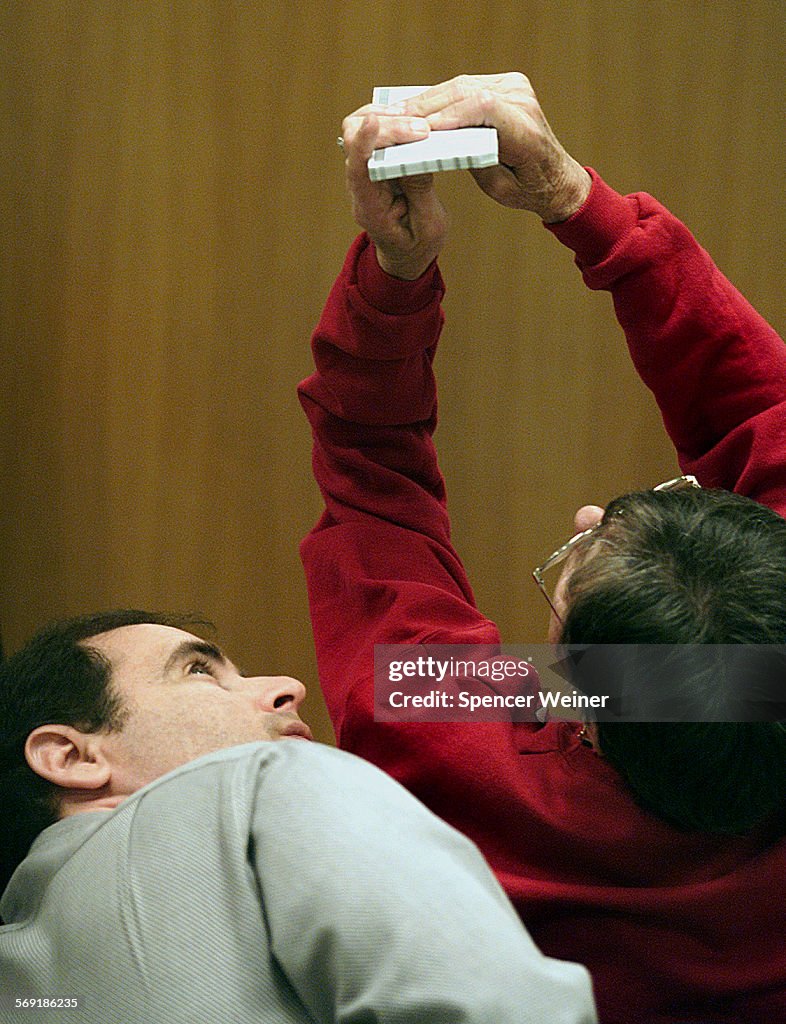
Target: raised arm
(379,565)
(716,368)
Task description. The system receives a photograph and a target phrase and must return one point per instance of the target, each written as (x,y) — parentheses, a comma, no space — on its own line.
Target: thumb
(500,183)
(416,183)
(426,214)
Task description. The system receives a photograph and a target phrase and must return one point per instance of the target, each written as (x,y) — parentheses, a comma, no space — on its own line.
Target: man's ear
(68,758)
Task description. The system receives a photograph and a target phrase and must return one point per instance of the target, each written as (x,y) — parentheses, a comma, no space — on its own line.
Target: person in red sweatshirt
(652,853)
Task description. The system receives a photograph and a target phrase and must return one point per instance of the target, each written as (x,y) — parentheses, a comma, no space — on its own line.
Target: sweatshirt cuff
(597,227)
(389,294)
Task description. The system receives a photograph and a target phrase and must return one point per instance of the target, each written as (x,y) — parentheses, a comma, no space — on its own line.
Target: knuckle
(466,87)
(354,116)
(461,88)
(486,100)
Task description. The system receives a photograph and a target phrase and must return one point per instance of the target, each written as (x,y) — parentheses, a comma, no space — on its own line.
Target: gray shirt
(271,882)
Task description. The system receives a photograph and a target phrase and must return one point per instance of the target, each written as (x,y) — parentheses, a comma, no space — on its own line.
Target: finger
(516,116)
(392,130)
(370,200)
(447,93)
(376,108)
(360,140)
(491,108)
(586,517)
(478,108)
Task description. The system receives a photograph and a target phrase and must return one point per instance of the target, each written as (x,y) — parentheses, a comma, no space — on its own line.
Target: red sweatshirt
(674,927)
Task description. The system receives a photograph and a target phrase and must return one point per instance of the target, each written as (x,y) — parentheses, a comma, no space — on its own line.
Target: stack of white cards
(452,150)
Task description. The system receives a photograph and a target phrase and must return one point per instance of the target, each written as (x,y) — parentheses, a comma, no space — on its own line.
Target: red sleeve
(716,367)
(380,567)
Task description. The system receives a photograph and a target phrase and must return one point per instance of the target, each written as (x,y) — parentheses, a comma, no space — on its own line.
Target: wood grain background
(173,214)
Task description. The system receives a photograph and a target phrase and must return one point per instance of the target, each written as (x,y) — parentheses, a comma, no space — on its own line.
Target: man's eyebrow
(191,647)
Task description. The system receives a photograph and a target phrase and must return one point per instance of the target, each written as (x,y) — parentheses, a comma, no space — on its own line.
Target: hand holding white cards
(534,171)
(403,215)
(452,150)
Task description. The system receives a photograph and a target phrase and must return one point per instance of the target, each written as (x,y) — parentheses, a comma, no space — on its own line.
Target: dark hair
(56,678)
(689,567)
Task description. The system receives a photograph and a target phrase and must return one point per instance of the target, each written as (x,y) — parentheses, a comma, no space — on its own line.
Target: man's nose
(280,693)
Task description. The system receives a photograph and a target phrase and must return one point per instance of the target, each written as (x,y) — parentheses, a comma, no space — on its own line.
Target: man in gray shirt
(181,870)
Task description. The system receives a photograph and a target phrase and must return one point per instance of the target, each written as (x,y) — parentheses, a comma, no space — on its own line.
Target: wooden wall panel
(174,213)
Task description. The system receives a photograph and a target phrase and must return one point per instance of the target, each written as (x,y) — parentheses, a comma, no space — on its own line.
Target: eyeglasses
(680,483)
